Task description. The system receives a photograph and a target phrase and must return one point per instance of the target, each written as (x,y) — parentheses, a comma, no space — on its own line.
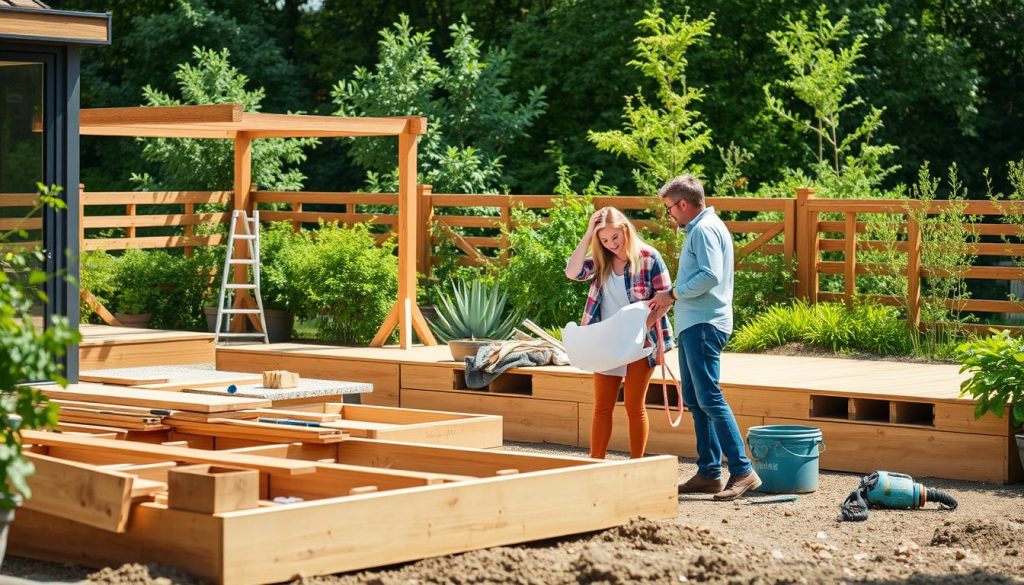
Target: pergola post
(242,200)
(406,313)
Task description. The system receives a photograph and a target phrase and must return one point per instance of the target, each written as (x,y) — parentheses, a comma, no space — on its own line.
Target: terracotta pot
(140,321)
(463,348)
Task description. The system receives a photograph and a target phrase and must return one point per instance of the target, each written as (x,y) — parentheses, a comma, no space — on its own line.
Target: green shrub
(867,327)
(139,275)
(97,274)
(996,364)
(277,289)
(344,280)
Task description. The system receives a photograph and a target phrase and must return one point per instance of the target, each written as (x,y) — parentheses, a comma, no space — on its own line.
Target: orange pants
(606,392)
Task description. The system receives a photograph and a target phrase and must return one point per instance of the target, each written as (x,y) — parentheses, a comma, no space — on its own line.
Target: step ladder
(250,234)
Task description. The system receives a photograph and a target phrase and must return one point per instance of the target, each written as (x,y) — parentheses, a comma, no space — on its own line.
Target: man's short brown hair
(686,187)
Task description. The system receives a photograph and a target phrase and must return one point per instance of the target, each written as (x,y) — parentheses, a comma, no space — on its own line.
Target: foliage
(755,290)
(473,311)
(472,118)
(866,327)
(996,364)
(202,164)
(172,288)
(277,289)
(947,252)
(26,355)
(344,280)
(535,274)
(847,164)
(662,139)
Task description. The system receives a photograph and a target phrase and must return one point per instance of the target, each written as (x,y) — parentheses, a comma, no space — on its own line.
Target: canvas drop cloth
(608,346)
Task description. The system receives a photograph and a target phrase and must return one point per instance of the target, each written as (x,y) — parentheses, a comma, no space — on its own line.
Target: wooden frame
(35,24)
(229,121)
(380,512)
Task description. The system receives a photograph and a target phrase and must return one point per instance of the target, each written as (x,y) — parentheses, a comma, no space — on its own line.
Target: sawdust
(140,574)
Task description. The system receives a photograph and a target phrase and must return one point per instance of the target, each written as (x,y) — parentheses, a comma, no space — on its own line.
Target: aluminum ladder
(250,234)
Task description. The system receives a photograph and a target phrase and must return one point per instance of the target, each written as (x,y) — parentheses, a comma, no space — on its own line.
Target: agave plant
(473,311)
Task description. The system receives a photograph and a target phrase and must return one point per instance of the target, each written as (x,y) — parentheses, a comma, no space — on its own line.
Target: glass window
(21,162)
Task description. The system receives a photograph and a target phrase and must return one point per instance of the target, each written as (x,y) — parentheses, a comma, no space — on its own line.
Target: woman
(623,270)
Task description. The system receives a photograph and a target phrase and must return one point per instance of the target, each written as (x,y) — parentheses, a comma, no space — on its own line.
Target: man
(703,319)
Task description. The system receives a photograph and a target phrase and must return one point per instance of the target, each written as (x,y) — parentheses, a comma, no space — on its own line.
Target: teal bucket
(786,457)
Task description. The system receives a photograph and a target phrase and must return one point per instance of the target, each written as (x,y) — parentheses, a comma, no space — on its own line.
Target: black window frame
(60,167)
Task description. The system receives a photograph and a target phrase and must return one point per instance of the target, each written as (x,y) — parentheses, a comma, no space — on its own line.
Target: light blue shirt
(705,279)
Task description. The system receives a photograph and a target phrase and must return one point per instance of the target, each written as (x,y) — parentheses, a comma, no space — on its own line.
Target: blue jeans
(700,349)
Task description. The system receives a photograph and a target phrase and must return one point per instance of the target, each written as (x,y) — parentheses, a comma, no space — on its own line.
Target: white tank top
(613,295)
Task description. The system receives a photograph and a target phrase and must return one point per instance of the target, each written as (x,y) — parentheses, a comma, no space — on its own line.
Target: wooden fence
(804,230)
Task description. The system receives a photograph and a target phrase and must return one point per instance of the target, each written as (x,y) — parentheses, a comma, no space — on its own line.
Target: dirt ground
(712,542)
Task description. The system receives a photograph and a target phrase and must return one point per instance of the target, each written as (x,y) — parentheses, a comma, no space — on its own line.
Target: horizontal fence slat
(19,199)
(22,223)
(155,197)
(977,305)
(151,242)
(325,197)
(118,221)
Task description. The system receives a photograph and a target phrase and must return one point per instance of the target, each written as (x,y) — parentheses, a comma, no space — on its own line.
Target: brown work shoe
(739,485)
(698,484)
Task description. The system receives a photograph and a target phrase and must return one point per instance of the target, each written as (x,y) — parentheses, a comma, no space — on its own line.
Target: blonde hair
(613,218)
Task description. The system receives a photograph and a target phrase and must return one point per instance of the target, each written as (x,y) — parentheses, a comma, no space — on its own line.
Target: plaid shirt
(653,278)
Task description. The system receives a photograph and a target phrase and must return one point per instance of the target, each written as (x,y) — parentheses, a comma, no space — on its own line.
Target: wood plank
(445,459)
(482,432)
(80,28)
(864,448)
(767,402)
(80,492)
(662,439)
(69,427)
(384,376)
(332,480)
(149,452)
(573,388)
(155,534)
(152,398)
(421,377)
(523,418)
(575,500)
(132,355)
(960,418)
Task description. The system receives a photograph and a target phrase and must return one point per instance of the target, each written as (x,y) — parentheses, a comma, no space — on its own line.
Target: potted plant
(279,292)
(26,354)
(996,364)
(472,317)
(137,289)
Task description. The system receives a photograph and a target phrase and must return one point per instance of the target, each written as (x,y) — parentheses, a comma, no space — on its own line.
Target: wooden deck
(874,414)
(105,347)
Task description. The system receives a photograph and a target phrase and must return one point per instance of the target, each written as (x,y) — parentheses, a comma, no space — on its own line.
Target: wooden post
(190,209)
(913,273)
(242,200)
(506,228)
(806,247)
(424,246)
(789,238)
(406,313)
(850,259)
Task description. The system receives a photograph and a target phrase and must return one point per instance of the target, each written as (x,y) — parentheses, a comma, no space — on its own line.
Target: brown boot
(698,484)
(739,485)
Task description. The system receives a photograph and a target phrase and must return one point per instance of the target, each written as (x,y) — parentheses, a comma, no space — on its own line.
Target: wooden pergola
(228,121)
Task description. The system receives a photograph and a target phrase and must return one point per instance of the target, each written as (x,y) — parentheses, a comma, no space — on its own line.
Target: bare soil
(712,542)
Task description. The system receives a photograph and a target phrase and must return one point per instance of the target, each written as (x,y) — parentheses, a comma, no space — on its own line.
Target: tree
(203,164)
(821,73)
(471,118)
(663,139)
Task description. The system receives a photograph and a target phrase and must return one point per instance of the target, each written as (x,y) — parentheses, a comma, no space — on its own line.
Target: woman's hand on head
(594,218)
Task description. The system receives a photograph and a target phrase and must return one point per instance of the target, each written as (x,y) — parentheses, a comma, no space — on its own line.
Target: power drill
(884,489)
